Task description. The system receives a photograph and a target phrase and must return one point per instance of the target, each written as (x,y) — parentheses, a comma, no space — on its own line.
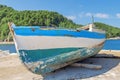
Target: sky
(80,11)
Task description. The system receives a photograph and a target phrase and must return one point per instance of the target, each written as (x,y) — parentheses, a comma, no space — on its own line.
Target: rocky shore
(11,68)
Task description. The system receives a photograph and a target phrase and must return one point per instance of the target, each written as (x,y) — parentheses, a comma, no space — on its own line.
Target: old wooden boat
(43,50)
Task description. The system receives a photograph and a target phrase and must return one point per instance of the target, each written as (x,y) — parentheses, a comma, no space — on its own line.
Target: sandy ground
(11,68)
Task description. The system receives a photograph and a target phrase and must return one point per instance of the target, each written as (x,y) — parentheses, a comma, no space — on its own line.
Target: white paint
(90,27)
(50,42)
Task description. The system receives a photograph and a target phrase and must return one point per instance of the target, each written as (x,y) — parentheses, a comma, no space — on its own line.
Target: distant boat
(44,50)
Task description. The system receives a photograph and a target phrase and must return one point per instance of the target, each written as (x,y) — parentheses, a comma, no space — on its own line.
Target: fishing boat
(43,49)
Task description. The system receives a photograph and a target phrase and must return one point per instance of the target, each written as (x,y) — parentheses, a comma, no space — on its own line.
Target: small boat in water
(43,50)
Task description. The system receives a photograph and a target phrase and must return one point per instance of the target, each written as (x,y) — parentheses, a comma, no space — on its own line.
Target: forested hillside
(42,18)
(31,18)
(110,30)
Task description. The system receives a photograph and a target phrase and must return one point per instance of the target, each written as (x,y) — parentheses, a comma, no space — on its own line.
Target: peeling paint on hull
(47,65)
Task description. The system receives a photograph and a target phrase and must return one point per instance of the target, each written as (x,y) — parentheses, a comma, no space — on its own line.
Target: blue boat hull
(43,51)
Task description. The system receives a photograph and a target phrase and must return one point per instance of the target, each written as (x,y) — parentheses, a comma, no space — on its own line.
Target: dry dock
(11,68)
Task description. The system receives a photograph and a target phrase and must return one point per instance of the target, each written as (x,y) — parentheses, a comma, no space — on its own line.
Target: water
(112,45)
(10,47)
(109,45)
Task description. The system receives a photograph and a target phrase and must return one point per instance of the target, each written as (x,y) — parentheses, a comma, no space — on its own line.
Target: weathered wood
(90,66)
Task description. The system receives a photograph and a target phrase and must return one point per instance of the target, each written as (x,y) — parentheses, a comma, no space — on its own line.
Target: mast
(92,19)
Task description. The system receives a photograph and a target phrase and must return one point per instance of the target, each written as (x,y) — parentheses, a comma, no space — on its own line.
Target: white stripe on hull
(49,42)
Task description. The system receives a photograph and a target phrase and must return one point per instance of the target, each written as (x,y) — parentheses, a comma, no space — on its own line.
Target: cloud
(97,15)
(71,17)
(83,14)
(118,15)
(88,14)
(101,15)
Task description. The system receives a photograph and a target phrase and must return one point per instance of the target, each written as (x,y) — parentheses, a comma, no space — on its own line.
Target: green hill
(31,18)
(42,18)
(111,31)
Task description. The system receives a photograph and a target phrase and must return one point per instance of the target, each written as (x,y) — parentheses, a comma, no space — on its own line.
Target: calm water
(112,45)
(109,45)
(10,47)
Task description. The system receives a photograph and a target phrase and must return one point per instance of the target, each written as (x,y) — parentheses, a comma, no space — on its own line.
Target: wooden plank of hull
(50,64)
(49,42)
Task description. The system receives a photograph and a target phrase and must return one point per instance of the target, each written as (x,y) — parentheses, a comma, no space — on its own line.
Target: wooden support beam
(90,66)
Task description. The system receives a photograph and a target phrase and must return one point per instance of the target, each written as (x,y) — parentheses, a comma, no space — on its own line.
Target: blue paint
(36,31)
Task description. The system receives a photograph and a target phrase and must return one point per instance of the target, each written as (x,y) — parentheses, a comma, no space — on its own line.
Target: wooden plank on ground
(90,66)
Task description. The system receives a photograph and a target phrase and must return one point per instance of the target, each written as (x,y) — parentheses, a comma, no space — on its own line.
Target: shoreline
(6,42)
(110,50)
(113,39)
